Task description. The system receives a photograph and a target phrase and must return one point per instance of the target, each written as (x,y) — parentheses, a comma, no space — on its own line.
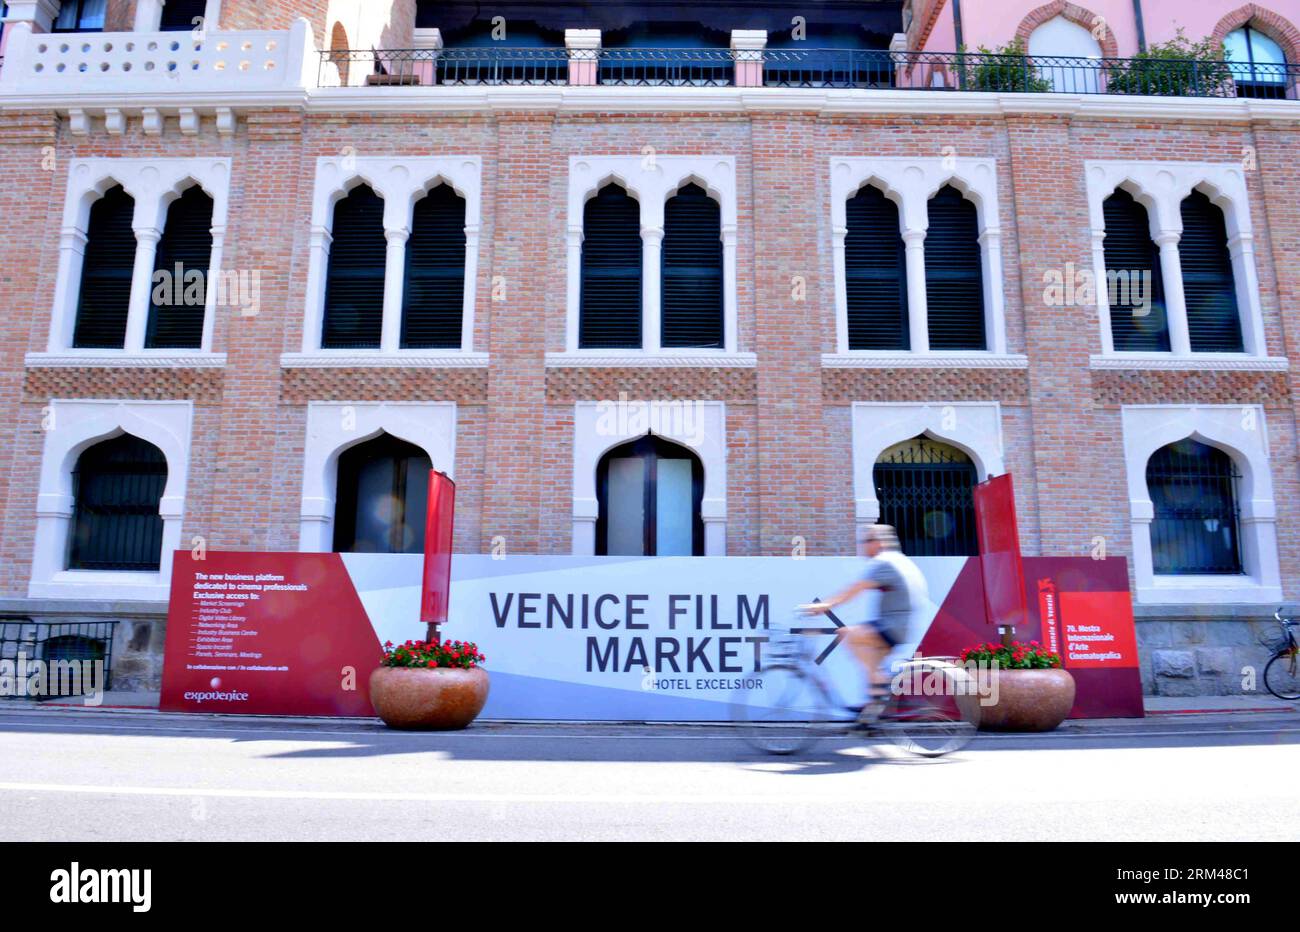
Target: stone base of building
(1209,651)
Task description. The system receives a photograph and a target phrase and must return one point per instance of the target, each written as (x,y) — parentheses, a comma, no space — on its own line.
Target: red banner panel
(267,633)
(437,549)
(999,542)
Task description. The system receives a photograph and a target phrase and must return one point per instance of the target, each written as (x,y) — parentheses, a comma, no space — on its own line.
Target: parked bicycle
(1282,674)
(795,704)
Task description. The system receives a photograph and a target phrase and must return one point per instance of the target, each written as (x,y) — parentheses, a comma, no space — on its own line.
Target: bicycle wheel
(925,729)
(784,714)
(1282,675)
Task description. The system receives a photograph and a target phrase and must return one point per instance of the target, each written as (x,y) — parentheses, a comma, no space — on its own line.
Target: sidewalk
(1161,712)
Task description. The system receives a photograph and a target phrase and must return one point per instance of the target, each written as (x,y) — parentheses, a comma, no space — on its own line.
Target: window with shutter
(179,15)
(954,275)
(179,286)
(692,270)
(1134,284)
(875,273)
(117,487)
(354,282)
(610,308)
(1210,291)
(106,270)
(433,298)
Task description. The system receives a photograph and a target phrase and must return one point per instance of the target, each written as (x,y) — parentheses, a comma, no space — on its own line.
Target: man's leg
(870,649)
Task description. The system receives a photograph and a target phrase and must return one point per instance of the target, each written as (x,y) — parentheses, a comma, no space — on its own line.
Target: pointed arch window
(180,15)
(1194,530)
(178,296)
(1135,286)
(1258,64)
(925,489)
(692,270)
(80,16)
(106,271)
(433,297)
(1209,289)
(382,496)
(610,304)
(354,285)
(954,273)
(649,493)
(117,487)
(875,273)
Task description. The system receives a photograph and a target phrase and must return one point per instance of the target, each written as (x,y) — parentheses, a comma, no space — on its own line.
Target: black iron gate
(28,647)
(925,492)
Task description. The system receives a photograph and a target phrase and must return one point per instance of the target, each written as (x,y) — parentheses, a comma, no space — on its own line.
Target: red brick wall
(788,433)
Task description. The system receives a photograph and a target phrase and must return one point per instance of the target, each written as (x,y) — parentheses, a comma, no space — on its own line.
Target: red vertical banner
(999,541)
(439,521)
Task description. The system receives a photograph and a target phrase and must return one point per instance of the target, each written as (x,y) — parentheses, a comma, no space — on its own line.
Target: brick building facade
(252,422)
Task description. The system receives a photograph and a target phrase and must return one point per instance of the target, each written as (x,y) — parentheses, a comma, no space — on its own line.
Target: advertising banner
(592,638)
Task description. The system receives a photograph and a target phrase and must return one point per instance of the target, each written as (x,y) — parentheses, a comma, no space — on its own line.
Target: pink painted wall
(993,22)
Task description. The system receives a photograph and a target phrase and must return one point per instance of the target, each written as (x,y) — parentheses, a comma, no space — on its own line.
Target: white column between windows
(995,327)
(394,280)
(1103,298)
(1171,267)
(148,15)
(317,269)
(1241,251)
(918,321)
(574,296)
(213,296)
(730,338)
(137,315)
(72,256)
(840,270)
(651,311)
(471,276)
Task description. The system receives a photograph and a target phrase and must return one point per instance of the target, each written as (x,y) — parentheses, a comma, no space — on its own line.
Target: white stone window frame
(599,426)
(910,183)
(72,427)
(333,427)
(1161,187)
(400,182)
(153,183)
(652,179)
(974,427)
(1241,432)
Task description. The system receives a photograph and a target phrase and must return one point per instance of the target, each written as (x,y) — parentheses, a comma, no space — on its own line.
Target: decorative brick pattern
(845,386)
(567,385)
(1112,389)
(464,386)
(202,386)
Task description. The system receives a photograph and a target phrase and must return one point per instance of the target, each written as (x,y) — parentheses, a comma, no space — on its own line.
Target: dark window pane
(610,314)
(106,269)
(1193,489)
(1134,284)
(925,491)
(179,286)
(382,497)
(354,286)
(1209,288)
(117,486)
(692,270)
(875,274)
(433,299)
(954,276)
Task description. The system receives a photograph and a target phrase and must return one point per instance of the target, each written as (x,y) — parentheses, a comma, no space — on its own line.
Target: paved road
(75,776)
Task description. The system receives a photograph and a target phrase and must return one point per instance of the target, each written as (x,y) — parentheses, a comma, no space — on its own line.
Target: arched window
(954,274)
(106,269)
(925,491)
(354,283)
(610,315)
(180,15)
(1193,488)
(1072,63)
(434,296)
(117,485)
(1134,285)
(179,288)
(875,273)
(1259,66)
(1213,321)
(383,491)
(650,492)
(80,16)
(692,270)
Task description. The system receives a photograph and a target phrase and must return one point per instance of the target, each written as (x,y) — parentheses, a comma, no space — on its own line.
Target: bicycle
(794,704)
(1282,673)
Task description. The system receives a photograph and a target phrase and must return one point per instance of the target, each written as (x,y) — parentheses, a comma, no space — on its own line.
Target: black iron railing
(46,649)
(813,68)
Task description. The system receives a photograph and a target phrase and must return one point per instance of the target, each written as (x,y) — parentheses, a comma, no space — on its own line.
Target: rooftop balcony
(804,68)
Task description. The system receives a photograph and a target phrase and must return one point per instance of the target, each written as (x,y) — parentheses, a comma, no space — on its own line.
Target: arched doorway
(383,487)
(649,493)
(925,489)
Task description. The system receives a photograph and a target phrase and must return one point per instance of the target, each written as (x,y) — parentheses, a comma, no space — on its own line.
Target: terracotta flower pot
(441,698)
(1029,700)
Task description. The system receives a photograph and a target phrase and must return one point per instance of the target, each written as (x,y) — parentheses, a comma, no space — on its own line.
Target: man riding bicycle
(890,572)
